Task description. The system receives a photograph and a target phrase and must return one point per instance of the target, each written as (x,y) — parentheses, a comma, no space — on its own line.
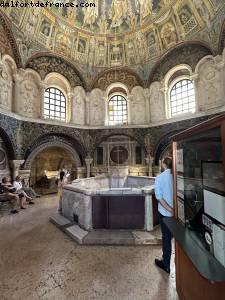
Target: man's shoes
(31,202)
(22,207)
(160,264)
(14,211)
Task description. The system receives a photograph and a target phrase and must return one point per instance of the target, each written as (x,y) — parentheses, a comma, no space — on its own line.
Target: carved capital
(16,163)
(88,161)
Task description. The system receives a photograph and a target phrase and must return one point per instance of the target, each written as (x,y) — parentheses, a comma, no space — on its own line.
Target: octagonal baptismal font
(105,204)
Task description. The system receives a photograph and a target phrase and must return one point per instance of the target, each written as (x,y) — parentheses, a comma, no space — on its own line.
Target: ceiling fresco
(116,33)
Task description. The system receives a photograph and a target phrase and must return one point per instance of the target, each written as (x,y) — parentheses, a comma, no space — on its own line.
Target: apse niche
(119,152)
(46,166)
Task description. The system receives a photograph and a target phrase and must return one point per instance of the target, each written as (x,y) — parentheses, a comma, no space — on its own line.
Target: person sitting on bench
(8,188)
(19,189)
(6,196)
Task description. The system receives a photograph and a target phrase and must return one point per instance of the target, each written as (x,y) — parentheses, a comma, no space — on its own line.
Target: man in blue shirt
(164,195)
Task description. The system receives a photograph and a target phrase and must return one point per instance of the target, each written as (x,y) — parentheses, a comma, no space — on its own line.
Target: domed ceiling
(116,33)
(111,16)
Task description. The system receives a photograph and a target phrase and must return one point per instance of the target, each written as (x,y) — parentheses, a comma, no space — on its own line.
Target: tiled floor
(38,261)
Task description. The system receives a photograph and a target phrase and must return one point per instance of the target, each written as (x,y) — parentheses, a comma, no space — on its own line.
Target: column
(149,219)
(88,162)
(43,87)
(149,161)
(15,165)
(69,108)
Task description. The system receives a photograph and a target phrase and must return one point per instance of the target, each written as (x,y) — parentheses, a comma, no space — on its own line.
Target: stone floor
(38,261)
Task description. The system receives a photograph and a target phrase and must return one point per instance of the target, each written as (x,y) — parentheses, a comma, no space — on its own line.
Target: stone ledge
(106,236)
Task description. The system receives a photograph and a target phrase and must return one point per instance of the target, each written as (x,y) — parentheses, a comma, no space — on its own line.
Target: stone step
(59,220)
(109,237)
(76,233)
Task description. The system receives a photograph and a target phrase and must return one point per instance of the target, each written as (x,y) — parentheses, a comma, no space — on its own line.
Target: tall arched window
(117,110)
(54,104)
(182,97)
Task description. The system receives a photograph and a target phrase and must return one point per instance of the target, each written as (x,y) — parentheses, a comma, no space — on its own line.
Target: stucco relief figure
(91,14)
(29,99)
(118,12)
(5,88)
(209,86)
(137,99)
(78,111)
(168,35)
(97,108)
(157,105)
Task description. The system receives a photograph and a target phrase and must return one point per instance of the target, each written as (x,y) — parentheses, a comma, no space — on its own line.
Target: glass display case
(199,171)
(199,202)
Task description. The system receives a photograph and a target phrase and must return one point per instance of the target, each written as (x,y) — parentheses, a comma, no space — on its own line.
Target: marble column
(149,222)
(69,109)
(88,162)
(149,161)
(15,165)
(43,87)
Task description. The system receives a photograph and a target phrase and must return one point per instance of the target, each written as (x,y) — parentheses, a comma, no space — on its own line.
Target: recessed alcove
(45,168)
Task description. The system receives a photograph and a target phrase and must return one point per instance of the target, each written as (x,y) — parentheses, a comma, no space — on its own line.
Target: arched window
(54,104)
(117,110)
(182,97)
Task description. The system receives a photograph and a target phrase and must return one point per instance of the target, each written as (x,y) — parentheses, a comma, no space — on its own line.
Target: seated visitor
(9,197)
(11,191)
(20,191)
(61,182)
(29,191)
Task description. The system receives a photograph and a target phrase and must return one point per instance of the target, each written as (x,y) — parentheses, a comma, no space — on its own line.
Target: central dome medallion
(110,16)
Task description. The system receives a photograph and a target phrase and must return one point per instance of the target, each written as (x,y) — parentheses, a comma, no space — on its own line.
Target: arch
(104,138)
(10,147)
(188,53)
(10,62)
(55,63)
(32,73)
(49,144)
(14,51)
(117,87)
(57,80)
(122,75)
(174,70)
(162,144)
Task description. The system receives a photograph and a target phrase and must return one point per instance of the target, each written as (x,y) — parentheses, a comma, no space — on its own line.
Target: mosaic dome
(111,16)
(115,33)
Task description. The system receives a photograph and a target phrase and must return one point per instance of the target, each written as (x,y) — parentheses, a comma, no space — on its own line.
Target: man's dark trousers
(166,241)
